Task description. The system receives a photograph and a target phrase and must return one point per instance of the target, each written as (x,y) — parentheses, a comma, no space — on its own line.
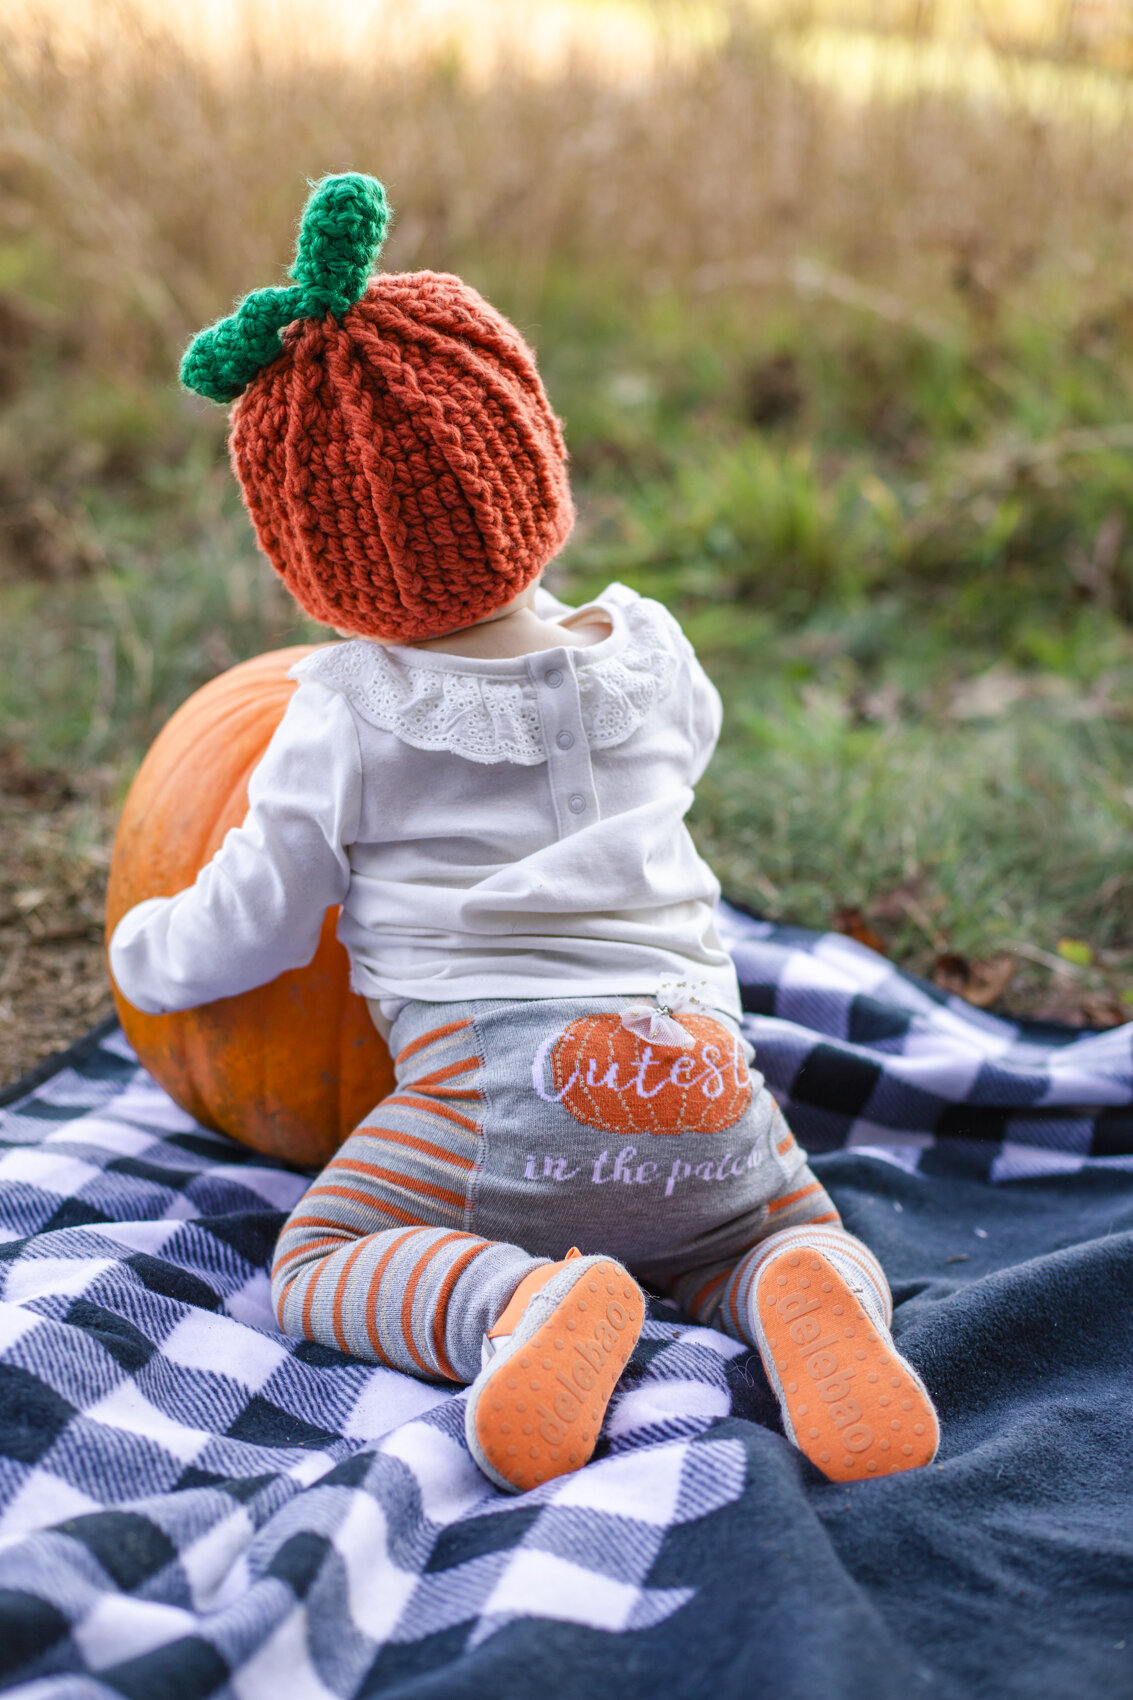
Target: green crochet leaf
(343,226)
(221,361)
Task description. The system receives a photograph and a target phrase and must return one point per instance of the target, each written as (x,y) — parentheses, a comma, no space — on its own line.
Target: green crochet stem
(342,230)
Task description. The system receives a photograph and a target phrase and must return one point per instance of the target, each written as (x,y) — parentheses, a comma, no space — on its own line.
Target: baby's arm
(704,710)
(706,715)
(256,909)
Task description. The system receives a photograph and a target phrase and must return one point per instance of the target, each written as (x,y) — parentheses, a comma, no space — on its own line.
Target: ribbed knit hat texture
(394,444)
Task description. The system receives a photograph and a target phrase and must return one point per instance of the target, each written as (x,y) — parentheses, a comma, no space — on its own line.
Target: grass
(845,384)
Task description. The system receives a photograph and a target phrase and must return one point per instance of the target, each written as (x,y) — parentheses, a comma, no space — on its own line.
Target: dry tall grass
(143,184)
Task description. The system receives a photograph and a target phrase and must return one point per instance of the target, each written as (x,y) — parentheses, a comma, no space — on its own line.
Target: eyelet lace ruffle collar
(488,711)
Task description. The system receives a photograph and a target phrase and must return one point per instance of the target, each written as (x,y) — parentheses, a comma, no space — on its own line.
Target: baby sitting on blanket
(494,788)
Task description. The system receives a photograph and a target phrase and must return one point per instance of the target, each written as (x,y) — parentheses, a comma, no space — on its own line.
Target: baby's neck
(523,632)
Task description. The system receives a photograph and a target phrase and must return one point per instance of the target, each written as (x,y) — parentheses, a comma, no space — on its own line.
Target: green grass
(909,568)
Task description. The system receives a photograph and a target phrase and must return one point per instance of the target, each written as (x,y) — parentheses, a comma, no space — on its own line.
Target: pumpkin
(608,1078)
(291,1067)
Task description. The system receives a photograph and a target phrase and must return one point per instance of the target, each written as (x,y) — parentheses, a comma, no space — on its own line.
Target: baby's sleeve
(256,909)
(692,702)
(706,715)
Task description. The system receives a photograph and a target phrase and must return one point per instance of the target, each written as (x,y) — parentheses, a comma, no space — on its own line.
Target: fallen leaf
(1076,951)
(849,920)
(26,901)
(979,980)
(1062,1004)
(1102,1009)
(952,972)
(991,976)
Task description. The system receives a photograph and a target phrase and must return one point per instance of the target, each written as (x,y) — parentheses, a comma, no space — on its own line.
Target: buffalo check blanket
(192,1505)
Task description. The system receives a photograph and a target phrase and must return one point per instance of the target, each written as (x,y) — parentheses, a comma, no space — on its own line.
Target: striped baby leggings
(517,1129)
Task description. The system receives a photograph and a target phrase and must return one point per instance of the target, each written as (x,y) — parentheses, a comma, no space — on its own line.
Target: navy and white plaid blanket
(192,1505)
(863,1055)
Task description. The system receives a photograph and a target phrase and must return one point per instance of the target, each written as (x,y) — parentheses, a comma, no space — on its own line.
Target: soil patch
(55,837)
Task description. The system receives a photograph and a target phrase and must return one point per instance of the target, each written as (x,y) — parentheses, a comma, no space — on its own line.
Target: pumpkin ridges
(289,1068)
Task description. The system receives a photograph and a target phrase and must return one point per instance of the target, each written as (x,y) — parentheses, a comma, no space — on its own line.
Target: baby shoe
(552,1362)
(820,1310)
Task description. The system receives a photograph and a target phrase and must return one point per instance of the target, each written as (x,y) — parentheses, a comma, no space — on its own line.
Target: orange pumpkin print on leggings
(608,1078)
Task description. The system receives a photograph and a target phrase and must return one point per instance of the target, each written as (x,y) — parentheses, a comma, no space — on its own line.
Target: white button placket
(569,773)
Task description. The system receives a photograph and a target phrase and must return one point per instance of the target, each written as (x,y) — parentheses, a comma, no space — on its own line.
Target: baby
(493,787)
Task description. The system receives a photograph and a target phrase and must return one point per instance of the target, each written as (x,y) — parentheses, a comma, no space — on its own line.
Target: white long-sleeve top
(491,828)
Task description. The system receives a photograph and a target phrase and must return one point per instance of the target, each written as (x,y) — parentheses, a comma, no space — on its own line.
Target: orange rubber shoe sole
(538,1414)
(850,1402)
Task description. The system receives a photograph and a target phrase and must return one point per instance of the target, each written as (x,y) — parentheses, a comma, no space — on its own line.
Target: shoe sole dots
(539,1415)
(856,1408)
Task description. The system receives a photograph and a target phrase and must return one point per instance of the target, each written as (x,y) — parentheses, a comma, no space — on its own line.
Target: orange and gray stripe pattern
(377,1259)
(381,1258)
(702,1292)
(735,1315)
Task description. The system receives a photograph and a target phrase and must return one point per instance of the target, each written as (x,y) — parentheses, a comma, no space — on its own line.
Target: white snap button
(554,678)
(564,740)
(577,803)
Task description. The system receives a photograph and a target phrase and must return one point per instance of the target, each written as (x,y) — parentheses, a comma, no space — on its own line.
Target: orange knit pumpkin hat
(393,441)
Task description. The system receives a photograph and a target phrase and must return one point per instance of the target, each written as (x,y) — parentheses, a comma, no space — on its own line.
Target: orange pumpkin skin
(291,1067)
(607,1077)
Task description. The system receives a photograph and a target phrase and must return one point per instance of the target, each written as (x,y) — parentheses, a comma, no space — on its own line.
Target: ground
(54,852)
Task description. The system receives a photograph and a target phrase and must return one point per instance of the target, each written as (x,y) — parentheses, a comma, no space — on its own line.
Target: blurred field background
(836,301)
